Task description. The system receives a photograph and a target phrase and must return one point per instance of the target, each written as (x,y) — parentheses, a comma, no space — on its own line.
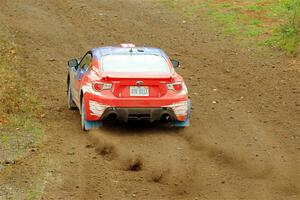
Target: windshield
(135,63)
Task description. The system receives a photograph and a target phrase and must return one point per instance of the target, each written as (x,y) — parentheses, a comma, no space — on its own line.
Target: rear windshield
(135,63)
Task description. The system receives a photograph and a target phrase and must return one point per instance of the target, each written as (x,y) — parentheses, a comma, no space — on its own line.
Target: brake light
(98,87)
(175,86)
(178,87)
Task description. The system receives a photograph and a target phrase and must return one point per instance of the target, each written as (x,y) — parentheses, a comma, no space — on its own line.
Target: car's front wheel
(71,104)
(83,114)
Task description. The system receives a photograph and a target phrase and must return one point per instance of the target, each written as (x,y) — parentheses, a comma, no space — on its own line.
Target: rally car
(127,83)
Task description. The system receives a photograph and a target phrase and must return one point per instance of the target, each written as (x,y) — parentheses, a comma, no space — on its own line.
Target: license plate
(140,91)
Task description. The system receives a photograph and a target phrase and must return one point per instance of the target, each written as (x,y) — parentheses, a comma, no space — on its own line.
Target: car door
(82,69)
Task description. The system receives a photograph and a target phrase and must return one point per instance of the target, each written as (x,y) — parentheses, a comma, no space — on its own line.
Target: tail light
(175,86)
(98,87)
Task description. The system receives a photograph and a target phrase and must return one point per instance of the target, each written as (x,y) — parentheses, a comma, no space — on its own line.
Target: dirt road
(244,138)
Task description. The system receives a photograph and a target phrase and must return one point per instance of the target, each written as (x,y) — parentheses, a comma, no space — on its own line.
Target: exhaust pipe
(165,117)
(112,116)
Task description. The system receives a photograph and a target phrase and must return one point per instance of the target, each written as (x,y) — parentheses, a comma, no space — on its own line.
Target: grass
(20,125)
(274,23)
(32,190)
(287,35)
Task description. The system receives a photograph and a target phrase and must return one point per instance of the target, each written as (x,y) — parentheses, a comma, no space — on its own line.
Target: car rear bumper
(147,114)
(152,109)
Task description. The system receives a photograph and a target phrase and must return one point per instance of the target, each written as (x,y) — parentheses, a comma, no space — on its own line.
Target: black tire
(83,121)
(71,104)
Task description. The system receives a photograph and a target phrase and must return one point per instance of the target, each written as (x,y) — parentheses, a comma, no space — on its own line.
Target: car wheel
(71,104)
(83,121)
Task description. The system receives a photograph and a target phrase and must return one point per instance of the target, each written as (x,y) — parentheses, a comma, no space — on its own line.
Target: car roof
(111,50)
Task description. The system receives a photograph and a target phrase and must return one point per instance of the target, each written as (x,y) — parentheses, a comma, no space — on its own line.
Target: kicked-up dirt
(244,139)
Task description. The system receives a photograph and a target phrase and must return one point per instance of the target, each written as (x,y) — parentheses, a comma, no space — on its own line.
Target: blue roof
(103,51)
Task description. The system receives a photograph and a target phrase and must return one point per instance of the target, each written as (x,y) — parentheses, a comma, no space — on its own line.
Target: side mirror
(175,63)
(73,63)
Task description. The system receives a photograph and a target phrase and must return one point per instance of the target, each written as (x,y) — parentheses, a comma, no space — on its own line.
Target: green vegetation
(287,35)
(274,23)
(20,127)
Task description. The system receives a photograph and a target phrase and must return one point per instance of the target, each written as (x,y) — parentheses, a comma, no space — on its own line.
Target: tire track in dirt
(245,123)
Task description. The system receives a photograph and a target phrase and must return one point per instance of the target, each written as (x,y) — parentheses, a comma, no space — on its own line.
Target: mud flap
(186,123)
(90,125)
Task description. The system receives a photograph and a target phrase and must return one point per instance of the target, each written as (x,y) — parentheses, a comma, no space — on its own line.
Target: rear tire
(71,104)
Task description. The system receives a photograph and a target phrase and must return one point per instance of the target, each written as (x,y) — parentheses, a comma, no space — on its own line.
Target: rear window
(134,63)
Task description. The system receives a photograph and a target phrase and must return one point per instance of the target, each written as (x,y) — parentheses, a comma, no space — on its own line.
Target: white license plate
(139,91)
